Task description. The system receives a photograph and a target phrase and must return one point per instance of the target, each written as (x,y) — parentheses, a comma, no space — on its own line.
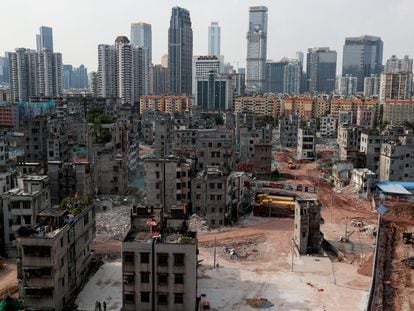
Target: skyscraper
(180,52)
(75,78)
(202,66)
(44,40)
(141,35)
(274,73)
(292,76)
(122,71)
(4,70)
(35,74)
(214,37)
(362,57)
(320,70)
(256,48)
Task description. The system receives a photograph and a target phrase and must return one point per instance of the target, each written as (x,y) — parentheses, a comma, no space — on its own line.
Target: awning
(395,189)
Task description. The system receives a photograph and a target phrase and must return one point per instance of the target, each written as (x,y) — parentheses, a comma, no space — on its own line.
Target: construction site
(256,263)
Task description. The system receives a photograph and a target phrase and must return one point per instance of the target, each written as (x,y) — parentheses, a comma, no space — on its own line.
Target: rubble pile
(259,303)
(248,252)
(197,223)
(113,224)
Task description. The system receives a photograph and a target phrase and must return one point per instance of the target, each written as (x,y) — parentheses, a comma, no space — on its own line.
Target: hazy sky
(80,25)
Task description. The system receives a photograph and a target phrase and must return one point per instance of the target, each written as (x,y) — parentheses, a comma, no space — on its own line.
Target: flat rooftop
(137,235)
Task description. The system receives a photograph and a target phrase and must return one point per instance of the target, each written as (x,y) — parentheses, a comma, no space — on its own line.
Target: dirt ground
(262,267)
(8,279)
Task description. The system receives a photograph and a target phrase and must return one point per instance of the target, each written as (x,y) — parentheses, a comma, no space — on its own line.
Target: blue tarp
(406,184)
(382,209)
(394,189)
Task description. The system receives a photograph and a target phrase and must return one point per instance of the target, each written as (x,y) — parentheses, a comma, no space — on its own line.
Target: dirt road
(8,278)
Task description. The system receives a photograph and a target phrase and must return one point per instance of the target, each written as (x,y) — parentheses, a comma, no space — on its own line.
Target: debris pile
(250,251)
(198,223)
(113,224)
(259,303)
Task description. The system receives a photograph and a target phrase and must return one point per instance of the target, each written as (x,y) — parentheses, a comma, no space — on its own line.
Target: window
(145,277)
(62,262)
(144,257)
(212,197)
(178,278)
(86,219)
(145,297)
(162,299)
(162,259)
(213,209)
(211,185)
(162,278)
(129,257)
(129,298)
(219,197)
(219,185)
(157,175)
(61,242)
(178,298)
(198,196)
(178,259)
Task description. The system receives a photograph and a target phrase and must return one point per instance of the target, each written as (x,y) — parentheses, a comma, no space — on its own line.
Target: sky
(294,25)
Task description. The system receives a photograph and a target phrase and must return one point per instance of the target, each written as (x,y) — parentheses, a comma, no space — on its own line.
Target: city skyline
(232,17)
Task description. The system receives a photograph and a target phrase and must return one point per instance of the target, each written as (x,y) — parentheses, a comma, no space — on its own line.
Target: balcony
(38,281)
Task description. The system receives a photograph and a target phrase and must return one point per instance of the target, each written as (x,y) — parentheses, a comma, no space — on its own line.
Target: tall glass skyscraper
(362,57)
(44,40)
(321,70)
(256,48)
(141,36)
(180,52)
(214,34)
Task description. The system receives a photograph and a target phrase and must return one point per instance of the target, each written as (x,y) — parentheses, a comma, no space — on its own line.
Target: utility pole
(215,252)
(293,251)
(346,229)
(331,206)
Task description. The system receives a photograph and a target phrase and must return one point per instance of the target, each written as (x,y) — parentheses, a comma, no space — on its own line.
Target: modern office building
(202,67)
(4,70)
(35,74)
(214,37)
(346,86)
(123,70)
(256,49)
(321,70)
(362,57)
(141,36)
(180,52)
(214,92)
(44,40)
(274,76)
(371,86)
